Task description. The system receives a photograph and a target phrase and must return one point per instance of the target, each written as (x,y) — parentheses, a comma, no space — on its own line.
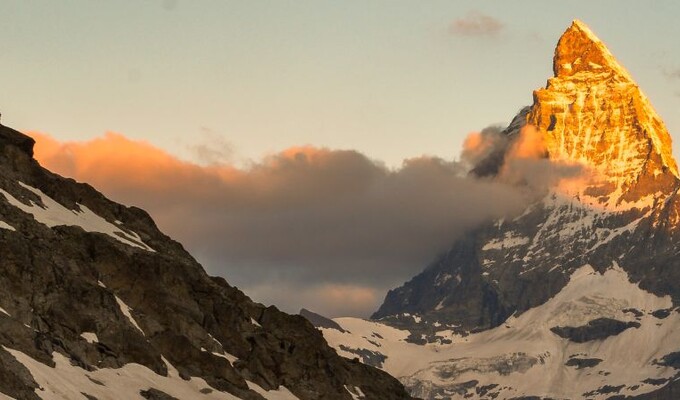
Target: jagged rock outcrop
(96,302)
(584,273)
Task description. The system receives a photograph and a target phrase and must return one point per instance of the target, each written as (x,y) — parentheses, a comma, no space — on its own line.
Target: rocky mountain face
(578,296)
(97,303)
(593,113)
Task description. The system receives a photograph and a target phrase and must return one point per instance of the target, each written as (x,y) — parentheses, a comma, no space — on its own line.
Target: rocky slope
(578,296)
(97,303)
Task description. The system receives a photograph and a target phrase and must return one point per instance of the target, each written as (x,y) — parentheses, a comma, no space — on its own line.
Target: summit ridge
(579,49)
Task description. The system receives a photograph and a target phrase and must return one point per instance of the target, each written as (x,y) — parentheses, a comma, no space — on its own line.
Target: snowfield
(66,381)
(523,357)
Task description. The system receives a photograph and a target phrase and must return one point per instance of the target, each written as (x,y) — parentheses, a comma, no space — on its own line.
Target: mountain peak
(592,112)
(580,50)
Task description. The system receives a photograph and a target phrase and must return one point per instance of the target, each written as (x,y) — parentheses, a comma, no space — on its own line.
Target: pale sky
(386,78)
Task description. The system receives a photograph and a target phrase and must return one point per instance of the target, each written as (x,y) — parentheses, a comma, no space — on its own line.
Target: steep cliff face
(583,281)
(97,303)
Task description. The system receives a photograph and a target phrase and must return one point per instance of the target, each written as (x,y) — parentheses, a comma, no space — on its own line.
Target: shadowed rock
(597,329)
(320,321)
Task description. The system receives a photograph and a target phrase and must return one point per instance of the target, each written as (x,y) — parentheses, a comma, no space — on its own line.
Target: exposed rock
(596,329)
(320,321)
(670,360)
(581,363)
(606,389)
(661,314)
(10,137)
(656,382)
(637,313)
(155,394)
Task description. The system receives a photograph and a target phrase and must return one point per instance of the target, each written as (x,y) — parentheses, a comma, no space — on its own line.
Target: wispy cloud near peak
(476,24)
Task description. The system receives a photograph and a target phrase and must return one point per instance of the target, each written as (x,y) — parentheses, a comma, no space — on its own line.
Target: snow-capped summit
(592,112)
(576,297)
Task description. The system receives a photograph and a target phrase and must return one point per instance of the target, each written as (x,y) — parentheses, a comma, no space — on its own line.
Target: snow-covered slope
(526,357)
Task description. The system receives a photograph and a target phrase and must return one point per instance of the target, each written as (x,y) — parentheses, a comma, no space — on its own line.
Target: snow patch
(66,381)
(282,393)
(90,337)
(355,392)
(125,309)
(442,279)
(226,356)
(510,240)
(6,226)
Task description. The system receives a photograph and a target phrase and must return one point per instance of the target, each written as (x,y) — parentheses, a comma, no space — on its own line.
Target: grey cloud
(479,146)
(307,224)
(476,24)
(343,220)
(329,230)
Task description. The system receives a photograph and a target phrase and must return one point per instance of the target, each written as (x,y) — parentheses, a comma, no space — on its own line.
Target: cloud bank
(330,230)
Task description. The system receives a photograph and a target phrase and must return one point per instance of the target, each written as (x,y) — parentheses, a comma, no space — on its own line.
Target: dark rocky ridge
(50,288)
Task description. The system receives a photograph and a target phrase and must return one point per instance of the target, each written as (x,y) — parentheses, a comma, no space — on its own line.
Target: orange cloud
(475,144)
(529,145)
(114,162)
